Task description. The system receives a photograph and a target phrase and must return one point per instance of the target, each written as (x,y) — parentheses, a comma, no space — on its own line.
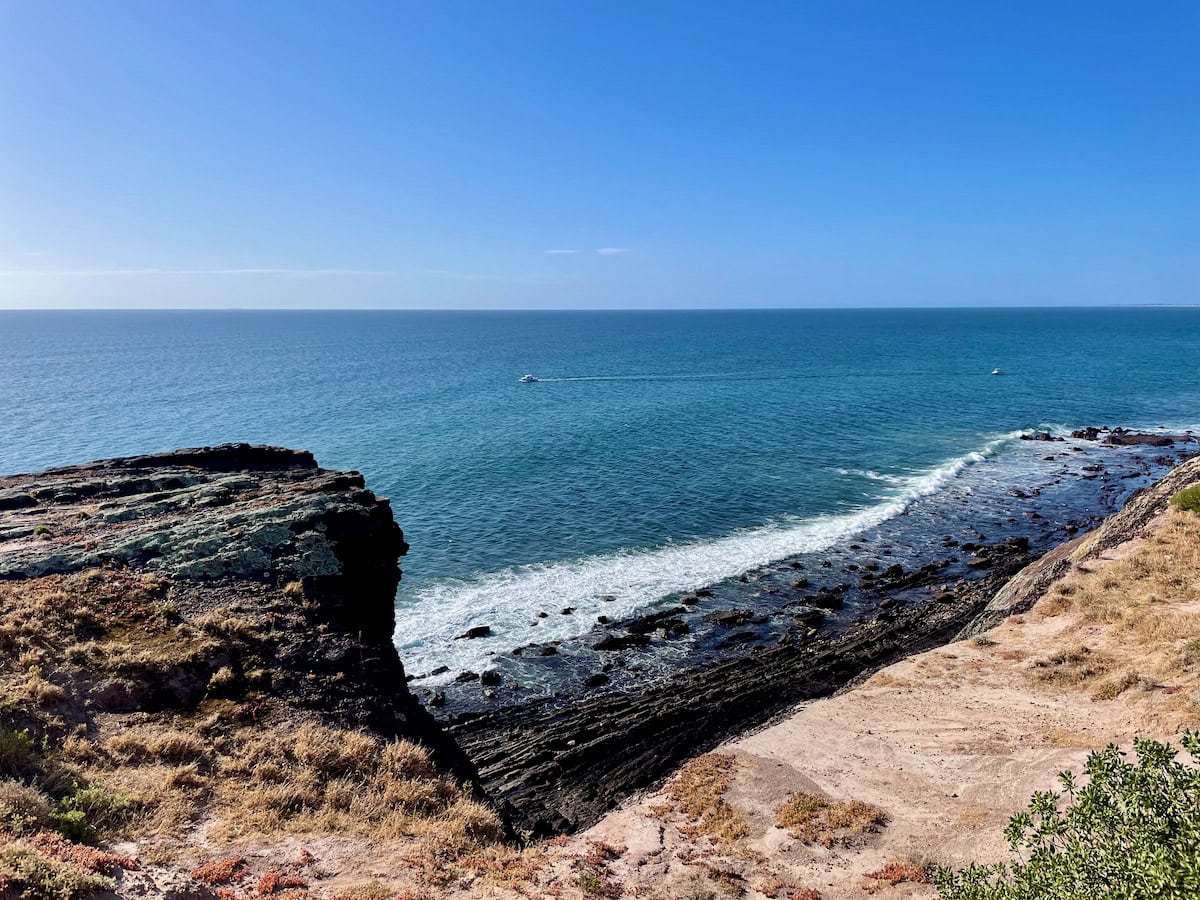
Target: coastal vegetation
(1131,831)
(198,742)
(1188,499)
(812,819)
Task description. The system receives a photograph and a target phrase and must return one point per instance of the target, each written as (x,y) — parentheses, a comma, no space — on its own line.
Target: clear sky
(598,154)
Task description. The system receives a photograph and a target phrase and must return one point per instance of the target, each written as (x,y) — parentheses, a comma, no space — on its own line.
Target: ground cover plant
(1132,832)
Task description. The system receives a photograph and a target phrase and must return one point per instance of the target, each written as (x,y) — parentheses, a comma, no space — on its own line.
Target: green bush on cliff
(87,811)
(1132,832)
(1188,499)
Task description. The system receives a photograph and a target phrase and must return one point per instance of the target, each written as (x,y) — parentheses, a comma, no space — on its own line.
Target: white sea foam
(509,600)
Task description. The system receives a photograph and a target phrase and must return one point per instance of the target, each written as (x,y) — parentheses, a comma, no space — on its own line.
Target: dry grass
(812,819)
(697,793)
(1138,616)
(23,809)
(1071,666)
(779,889)
(884,679)
(202,745)
(901,871)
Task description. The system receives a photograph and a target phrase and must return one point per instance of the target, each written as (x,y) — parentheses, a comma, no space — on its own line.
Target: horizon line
(561,309)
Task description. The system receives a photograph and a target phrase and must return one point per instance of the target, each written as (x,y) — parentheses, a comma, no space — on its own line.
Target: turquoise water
(660,451)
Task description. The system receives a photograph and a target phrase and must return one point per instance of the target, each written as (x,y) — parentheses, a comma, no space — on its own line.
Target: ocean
(658,453)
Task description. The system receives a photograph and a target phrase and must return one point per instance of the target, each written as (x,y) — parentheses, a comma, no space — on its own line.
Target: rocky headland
(200,642)
(202,698)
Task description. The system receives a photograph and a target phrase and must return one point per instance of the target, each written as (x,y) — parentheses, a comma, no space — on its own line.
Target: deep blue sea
(659,452)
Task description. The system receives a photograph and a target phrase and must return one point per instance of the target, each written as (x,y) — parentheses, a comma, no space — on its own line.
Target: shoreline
(203,634)
(559,763)
(554,646)
(1087,646)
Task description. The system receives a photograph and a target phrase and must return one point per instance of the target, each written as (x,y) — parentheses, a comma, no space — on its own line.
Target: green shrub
(1133,832)
(1188,499)
(27,873)
(87,811)
(42,531)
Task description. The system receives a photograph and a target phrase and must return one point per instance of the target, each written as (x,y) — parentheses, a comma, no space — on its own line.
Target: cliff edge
(196,650)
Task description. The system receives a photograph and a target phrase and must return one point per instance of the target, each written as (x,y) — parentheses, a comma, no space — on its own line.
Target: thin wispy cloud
(105,273)
(611,251)
(561,252)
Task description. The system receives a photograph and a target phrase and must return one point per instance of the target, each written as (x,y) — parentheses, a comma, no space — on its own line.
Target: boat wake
(625,582)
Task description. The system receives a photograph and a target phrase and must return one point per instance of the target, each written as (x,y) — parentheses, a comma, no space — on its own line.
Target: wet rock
(827,598)
(675,628)
(704,592)
(542,614)
(621,642)
(740,637)
(464,677)
(1090,433)
(731,618)
(568,610)
(1040,436)
(597,680)
(811,617)
(800,584)
(603,620)
(1119,437)
(479,631)
(653,621)
(690,600)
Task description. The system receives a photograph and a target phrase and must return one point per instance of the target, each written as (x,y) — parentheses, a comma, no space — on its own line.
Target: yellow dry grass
(813,819)
(1142,613)
(245,768)
(697,793)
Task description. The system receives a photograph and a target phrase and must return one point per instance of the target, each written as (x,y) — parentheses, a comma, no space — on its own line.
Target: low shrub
(1133,832)
(18,755)
(26,873)
(23,809)
(86,812)
(1188,499)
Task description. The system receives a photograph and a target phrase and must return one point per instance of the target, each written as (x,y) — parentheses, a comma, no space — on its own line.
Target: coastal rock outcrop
(1028,586)
(226,536)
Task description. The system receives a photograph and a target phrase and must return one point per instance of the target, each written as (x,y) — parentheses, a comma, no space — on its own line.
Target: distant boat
(994,372)
(527,379)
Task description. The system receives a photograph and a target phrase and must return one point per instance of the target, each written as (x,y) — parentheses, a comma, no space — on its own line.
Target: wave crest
(509,600)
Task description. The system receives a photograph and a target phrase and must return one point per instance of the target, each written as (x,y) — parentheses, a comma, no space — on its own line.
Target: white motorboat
(994,372)
(527,379)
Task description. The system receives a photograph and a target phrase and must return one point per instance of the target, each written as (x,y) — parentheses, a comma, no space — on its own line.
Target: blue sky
(685,153)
